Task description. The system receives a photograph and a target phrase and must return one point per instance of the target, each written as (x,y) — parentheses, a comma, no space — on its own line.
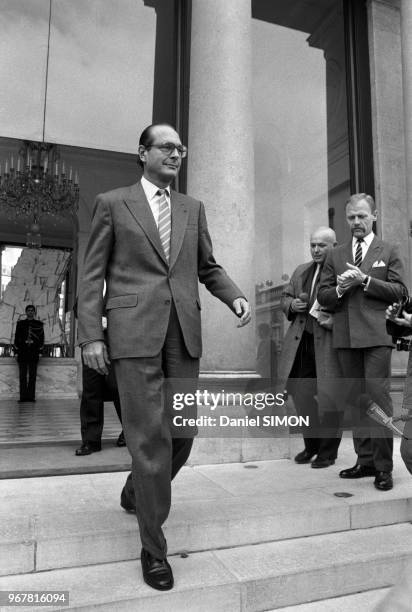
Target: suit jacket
(327,365)
(359,319)
(124,249)
(29,330)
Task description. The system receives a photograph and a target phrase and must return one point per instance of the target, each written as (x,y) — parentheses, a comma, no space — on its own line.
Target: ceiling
(303,15)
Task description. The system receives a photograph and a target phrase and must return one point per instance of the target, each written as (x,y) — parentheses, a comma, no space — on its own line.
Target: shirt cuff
(365,287)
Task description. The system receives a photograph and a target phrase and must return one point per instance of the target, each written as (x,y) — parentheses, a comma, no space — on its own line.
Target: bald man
(308,364)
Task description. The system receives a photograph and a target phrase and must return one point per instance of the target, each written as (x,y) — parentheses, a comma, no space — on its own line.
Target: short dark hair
(145,139)
(30,306)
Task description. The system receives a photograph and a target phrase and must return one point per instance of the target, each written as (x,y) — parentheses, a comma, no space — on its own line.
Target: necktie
(358,253)
(164,224)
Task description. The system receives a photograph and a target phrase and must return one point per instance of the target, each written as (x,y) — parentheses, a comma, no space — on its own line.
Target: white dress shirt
(150,191)
(315,276)
(365,244)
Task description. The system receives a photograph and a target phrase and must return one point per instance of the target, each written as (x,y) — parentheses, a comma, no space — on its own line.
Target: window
(38,277)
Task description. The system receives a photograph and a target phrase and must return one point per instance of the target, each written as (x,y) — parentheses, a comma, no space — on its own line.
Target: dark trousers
(27,384)
(367,371)
(304,389)
(96,390)
(406,446)
(147,413)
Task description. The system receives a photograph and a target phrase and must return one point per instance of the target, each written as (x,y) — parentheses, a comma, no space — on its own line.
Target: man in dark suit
(152,246)
(308,363)
(28,342)
(96,389)
(360,280)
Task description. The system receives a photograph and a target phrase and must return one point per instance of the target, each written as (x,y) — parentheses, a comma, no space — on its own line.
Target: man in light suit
(308,359)
(152,246)
(360,280)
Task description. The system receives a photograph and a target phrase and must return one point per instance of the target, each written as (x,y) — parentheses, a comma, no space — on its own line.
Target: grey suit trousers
(145,387)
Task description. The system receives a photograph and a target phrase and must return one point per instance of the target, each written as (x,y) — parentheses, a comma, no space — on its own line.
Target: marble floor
(48,420)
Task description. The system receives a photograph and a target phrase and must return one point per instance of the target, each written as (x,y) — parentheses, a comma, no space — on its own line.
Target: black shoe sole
(157,586)
(125,504)
(79,453)
(316,466)
(129,509)
(383,487)
(153,583)
(357,476)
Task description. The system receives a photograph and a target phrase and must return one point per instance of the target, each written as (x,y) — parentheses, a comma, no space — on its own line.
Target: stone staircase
(248,535)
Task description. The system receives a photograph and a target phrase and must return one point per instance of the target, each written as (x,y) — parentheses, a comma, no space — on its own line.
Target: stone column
(406,44)
(389,126)
(221,165)
(387,121)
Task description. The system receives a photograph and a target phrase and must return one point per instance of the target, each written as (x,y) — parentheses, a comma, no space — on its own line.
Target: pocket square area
(378,264)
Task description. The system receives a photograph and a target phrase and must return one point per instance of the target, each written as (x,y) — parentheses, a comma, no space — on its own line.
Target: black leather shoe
(304,456)
(358,471)
(157,573)
(121,440)
(126,503)
(87,449)
(383,481)
(322,463)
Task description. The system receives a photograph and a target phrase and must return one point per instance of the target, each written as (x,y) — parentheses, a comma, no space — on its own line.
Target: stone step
(364,602)
(268,576)
(75,521)
(51,459)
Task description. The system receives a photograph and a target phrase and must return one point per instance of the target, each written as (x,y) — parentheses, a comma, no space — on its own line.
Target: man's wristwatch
(365,281)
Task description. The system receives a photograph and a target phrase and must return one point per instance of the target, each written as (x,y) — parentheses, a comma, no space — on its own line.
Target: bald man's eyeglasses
(169,147)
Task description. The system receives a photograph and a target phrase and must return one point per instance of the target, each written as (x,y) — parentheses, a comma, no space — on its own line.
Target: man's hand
(298,305)
(242,309)
(404,319)
(350,278)
(95,356)
(325,319)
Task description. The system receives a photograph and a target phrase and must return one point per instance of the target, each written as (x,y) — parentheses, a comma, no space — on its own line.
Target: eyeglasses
(169,147)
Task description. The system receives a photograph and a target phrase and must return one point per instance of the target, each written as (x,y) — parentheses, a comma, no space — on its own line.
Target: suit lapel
(180,216)
(347,255)
(307,278)
(139,207)
(372,254)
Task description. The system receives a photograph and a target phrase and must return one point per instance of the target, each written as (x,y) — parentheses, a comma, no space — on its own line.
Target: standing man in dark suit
(96,389)
(28,341)
(308,363)
(360,280)
(152,246)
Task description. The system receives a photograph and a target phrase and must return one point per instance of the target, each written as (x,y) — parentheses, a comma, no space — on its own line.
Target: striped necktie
(358,253)
(164,224)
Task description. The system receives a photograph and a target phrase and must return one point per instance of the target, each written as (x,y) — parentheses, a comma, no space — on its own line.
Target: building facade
(287,107)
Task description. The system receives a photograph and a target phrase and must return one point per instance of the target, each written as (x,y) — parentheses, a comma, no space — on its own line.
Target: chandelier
(37,184)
